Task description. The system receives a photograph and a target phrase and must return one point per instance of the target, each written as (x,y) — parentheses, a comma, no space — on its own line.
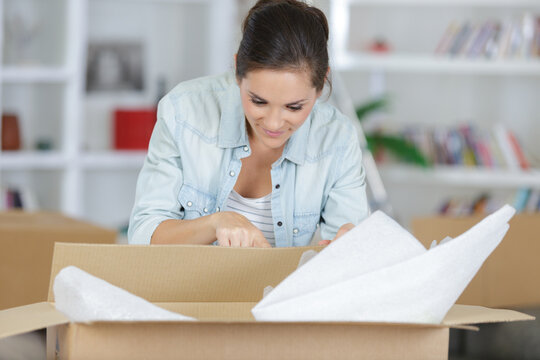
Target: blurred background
(446,93)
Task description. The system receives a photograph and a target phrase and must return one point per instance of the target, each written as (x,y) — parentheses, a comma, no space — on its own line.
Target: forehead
(279,85)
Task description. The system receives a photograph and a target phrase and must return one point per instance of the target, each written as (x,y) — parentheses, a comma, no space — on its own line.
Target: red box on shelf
(133,128)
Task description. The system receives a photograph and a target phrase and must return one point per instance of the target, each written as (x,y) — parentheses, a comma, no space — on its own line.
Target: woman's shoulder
(329,128)
(202,85)
(198,104)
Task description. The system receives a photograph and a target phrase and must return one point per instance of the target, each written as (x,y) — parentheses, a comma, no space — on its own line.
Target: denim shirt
(194,158)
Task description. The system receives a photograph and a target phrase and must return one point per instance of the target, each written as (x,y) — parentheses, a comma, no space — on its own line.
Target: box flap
(44,221)
(173,273)
(469,314)
(509,276)
(27,318)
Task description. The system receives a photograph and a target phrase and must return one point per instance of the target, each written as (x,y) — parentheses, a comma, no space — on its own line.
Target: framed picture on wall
(115,66)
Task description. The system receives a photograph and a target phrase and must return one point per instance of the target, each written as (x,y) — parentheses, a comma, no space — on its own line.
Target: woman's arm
(228,228)
(347,200)
(158,216)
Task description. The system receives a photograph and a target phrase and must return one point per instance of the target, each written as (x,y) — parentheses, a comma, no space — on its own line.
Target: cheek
(252,111)
(297,119)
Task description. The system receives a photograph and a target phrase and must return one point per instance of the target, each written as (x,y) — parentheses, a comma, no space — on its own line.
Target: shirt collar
(232,126)
(232,129)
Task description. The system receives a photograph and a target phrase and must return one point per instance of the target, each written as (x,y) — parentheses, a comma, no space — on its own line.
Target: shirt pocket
(304,227)
(195,203)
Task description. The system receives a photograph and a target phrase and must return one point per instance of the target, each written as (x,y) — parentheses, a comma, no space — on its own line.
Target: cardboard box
(509,277)
(219,286)
(26,249)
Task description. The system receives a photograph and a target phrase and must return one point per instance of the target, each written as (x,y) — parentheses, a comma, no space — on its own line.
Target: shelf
(35,74)
(114,160)
(162,1)
(31,160)
(450,3)
(461,176)
(431,64)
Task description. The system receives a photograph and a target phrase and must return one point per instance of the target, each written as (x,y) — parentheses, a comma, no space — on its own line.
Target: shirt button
(205,210)
(232,173)
(279,223)
(295,231)
(246,149)
(277,186)
(217,209)
(189,204)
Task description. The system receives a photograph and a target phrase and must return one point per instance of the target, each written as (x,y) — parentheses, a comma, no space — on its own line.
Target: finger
(260,241)
(324,242)
(236,240)
(223,241)
(343,230)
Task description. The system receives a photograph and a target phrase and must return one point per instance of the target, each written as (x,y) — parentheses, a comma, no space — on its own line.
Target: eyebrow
(289,104)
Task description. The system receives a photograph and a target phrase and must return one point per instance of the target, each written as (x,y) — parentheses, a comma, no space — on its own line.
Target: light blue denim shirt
(194,159)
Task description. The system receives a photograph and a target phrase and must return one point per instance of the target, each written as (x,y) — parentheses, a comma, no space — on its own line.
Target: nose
(274,120)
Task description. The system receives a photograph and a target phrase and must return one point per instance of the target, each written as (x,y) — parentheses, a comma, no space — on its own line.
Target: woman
(254,158)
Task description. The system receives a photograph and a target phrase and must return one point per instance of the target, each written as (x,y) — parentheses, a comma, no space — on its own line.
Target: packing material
(379,272)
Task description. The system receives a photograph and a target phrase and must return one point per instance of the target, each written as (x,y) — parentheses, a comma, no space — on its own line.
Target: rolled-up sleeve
(347,200)
(160,179)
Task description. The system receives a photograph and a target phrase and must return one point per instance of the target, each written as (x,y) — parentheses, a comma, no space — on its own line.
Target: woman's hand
(233,229)
(342,230)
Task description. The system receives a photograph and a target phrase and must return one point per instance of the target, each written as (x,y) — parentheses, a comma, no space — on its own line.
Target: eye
(258,102)
(295,107)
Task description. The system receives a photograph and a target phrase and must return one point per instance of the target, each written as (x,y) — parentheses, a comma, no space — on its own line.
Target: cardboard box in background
(510,275)
(219,286)
(26,249)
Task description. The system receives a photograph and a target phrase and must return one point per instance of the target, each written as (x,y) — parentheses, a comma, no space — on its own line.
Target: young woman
(254,158)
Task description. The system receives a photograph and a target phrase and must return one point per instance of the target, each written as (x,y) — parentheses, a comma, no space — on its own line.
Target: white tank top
(258,211)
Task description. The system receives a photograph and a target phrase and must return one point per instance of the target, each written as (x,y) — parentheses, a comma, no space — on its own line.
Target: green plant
(398,145)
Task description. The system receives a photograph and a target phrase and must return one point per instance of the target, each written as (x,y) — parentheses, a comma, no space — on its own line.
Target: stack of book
(519,38)
(523,200)
(17,198)
(467,145)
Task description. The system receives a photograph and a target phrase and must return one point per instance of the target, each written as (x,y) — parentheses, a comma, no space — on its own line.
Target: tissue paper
(85,298)
(380,272)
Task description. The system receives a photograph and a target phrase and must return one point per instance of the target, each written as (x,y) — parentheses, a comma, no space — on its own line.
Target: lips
(273,133)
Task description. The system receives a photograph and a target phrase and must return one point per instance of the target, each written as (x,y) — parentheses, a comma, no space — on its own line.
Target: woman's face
(276,103)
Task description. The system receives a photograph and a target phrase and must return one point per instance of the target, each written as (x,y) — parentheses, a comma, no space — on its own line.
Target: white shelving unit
(448,90)
(24,168)
(403,63)
(82,175)
(462,176)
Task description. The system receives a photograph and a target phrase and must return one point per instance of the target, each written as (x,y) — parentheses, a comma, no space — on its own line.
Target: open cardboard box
(219,286)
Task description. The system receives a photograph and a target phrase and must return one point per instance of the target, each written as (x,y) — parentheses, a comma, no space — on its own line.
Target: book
(492,44)
(504,39)
(527,30)
(518,151)
(460,39)
(521,199)
(479,43)
(447,38)
(534,201)
(503,142)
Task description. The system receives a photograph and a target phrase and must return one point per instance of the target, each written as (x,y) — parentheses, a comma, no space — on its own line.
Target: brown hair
(284,35)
